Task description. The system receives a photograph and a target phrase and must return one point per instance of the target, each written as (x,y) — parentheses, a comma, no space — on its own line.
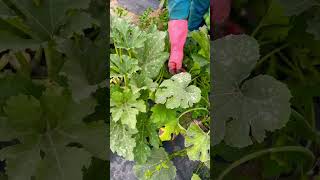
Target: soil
(135,8)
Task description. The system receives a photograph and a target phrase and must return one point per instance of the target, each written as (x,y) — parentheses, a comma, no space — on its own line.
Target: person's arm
(178,9)
(198,9)
(178,31)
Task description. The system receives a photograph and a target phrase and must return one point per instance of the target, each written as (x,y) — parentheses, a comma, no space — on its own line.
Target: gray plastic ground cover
(139,6)
(121,169)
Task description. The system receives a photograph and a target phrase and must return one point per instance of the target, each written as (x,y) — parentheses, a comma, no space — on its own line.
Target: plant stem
(199,166)
(130,54)
(117,51)
(263,152)
(194,78)
(266,42)
(205,100)
(294,67)
(267,56)
(261,23)
(159,78)
(299,117)
(193,109)
(310,112)
(125,78)
(181,152)
(161,4)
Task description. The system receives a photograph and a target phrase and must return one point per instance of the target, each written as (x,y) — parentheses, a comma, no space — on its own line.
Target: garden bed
(168,112)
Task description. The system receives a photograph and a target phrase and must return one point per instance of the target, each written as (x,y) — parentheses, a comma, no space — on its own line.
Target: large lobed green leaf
(175,92)
(152,55)
(41,22)
(147,46)
(166,120)
(121,140)
(125,107)
(243,107)
(46,17)
(125,35)
(122,66)
(146,138)
(198,144)
(85,66)
(44,151)
(157,167)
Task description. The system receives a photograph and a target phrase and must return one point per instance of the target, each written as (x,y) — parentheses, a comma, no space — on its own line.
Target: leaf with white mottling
(175,92)
(122,66)
(121,141)
(152,55)
(256,105)
(125,107)
(157,167)
(198,143)
(125,35)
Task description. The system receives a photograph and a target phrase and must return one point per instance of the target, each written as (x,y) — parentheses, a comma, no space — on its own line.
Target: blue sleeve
(179,9)
(197,10)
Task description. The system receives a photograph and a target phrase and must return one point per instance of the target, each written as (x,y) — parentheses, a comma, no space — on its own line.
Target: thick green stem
(261,23)
(130,54)
(299,117)
(254,155)
(125,78)
(199,166)
(117,51)
(205,100)
(310,112)
(267,56)
(190,110)
(181,152)
(293,66)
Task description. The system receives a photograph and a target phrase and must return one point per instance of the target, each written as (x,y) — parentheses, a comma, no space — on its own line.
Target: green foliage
(195,177)
(52,64)
(314,27)
(43,21)
(121,140)
(51,130)
(198,143)
(157,167)
(159,17)
(146,137)
(145,101)
(125,107)
(175,92)
(144,19)
(296,7)
(283,46)
(264,101)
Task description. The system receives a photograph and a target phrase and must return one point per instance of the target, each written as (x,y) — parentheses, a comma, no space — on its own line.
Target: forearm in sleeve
(179,9)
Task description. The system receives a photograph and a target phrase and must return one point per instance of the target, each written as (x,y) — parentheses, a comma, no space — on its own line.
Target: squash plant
(52,80)
(264,83)
(148,106)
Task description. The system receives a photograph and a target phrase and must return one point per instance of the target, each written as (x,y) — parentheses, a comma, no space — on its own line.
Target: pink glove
(178,31)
